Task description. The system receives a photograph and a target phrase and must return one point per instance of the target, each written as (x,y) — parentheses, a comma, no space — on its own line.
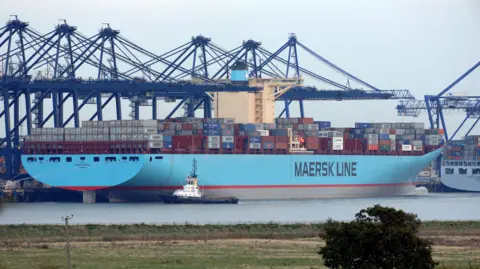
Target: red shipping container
(312,143)
(240,142)
(305,121)
(268,139)
(324,142)
(281,145)
(392,131)
(281,139)
(372,147)
(186,142)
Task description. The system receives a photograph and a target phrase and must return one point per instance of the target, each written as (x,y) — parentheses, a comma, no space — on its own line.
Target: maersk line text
(325,169)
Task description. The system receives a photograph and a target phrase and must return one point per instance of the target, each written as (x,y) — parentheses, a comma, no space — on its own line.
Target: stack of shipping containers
(218,134)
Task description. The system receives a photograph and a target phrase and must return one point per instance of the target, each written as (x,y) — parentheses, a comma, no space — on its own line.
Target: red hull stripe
(85,188)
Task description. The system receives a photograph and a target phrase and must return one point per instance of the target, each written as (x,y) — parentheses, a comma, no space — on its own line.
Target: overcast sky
(422,46)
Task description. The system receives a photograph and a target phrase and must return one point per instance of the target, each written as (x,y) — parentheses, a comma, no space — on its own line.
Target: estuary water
(431,206)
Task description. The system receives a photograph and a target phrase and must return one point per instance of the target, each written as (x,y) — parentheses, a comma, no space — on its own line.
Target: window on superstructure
(69,159)
(82,158)
(462,171)
(124,158)
(96,159)
(448,171)
(158,157)
(476,171)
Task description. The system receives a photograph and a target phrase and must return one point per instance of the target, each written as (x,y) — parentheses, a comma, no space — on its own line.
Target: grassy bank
(457,245)
(93,232)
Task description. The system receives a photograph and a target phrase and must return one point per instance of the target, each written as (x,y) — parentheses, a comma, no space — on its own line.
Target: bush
(379,237)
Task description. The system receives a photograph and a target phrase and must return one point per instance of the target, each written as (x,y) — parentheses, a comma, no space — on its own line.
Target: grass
(269,245)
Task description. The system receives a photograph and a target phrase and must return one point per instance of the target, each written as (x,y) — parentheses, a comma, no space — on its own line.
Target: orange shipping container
(384,142)
(372,147)
(441,131)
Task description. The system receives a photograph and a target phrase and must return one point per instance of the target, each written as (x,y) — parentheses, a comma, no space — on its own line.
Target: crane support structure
(64,67)
(437,106)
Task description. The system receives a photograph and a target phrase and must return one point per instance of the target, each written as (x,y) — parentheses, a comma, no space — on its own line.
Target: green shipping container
(384,147)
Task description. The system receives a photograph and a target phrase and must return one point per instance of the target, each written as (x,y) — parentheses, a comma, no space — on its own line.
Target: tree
(379,237)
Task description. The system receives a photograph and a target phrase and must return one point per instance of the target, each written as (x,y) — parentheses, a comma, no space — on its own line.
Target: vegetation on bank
(186,231)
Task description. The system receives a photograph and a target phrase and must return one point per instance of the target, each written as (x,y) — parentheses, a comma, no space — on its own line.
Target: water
(432,206)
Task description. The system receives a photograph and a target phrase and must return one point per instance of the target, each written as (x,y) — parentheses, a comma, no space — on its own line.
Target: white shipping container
(155,137)
(149,130)
(417,148)
(213,145)
(337,146)
(155,145)
(263,132)
(338,134)
(227,139)
(337,140)
(255,145)
(148,123)
(214,138)
(406,147)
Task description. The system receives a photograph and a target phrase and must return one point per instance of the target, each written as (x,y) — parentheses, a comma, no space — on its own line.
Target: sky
(422,46)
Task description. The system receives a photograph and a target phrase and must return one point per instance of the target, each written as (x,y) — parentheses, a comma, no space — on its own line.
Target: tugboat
(191,194)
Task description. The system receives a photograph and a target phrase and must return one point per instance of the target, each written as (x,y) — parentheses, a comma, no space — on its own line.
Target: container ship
(292,158)
(460,167)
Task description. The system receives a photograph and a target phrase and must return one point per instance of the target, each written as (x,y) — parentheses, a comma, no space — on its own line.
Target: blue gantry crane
(107,66)
(437,106)
(69,53)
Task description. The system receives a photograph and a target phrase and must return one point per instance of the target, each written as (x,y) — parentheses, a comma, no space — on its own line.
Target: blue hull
(242,176)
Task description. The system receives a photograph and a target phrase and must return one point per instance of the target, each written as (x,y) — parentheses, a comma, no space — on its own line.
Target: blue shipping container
(210,132)
(249,127)
(384,136)
(227,145)
(323,124)
(167,144)
(167,138)
(363,125)
(268,145)
(406,142)
(279,132)
(207,125)
(255,139)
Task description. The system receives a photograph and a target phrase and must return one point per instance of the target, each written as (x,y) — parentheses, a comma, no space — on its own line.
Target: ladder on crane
(295,147)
